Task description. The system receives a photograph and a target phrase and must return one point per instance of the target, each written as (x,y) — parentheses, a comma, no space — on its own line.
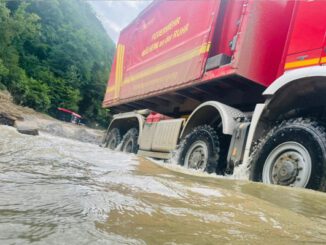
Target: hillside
(55,54)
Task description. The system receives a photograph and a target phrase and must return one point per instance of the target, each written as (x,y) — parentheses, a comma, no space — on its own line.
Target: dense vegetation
(54,53)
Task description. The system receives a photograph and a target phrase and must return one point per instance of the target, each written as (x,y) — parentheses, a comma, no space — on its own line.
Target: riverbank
(12,114)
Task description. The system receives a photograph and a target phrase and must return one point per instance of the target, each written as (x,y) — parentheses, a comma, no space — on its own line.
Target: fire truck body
(225,74)
(162,52)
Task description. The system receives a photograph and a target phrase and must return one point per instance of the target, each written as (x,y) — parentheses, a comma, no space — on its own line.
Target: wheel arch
(126,121)
(210,111)
(287,96)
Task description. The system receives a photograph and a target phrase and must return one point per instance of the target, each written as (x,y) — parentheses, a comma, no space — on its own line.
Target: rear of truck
(164,49)
(179,54)
(199,68)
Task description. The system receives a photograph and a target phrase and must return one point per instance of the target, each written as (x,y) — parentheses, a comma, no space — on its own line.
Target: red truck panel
(166,49)
(309,27)
(262,40)
(323,55)
(227,26)
(307,35)
(167,46)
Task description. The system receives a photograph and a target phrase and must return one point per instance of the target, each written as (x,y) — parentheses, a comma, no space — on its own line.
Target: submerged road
(60,191)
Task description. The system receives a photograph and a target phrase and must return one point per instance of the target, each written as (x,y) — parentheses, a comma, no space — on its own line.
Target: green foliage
(3,70)
(54,53)
(36,95)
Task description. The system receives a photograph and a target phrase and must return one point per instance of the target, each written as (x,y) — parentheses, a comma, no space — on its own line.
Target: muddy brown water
(60,191)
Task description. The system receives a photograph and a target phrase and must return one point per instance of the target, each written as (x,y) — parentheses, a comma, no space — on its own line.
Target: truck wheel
(292,154)
(129,141)
(113,139)
(200,149)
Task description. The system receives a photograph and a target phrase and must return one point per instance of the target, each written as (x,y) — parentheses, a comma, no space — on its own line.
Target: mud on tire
(200,149)
(285,149)
(129,141)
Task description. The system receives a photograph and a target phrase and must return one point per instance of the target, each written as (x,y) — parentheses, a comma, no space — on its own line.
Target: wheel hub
(285,171)
(288,164)
(197,156)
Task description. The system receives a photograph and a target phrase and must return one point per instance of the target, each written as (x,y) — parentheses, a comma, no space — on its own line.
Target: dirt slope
(10,112)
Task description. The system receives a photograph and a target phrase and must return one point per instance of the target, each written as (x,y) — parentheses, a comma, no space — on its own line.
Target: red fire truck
(226,83)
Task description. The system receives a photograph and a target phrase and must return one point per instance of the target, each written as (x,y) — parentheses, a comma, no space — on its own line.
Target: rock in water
(6,119)
(24,127)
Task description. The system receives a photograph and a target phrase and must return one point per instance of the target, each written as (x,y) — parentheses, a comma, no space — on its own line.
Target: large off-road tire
(200,149)
(113,139)
(129,141)
(293,153)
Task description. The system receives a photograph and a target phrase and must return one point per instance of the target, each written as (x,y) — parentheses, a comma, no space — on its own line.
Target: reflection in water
(55,190)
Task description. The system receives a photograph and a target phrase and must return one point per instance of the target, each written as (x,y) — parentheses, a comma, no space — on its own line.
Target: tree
(55,54)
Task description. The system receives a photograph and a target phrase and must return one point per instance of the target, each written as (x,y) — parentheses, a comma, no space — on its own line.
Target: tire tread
(315,127)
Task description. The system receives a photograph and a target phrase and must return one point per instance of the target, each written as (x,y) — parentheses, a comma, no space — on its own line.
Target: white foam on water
(195,172)
(240,172)
(119,146)
(206,192)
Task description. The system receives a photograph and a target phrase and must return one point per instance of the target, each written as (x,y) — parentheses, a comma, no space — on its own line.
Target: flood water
(60,191)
